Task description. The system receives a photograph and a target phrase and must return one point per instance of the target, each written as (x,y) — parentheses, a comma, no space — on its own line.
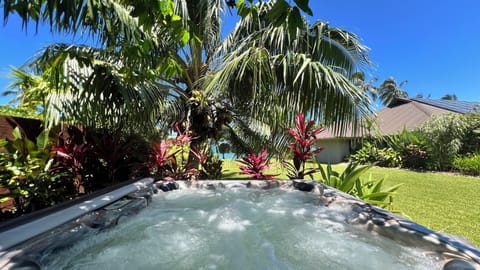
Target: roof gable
(407,116)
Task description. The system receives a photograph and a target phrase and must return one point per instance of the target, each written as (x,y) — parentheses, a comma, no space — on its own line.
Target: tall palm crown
(162,56)
(389,90)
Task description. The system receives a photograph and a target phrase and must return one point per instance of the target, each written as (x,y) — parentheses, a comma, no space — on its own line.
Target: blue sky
(432,44)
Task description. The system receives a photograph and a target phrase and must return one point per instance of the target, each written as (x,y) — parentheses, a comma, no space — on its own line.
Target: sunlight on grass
(441,201)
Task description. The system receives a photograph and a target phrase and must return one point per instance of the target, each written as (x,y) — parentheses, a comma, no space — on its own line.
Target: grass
(444,202)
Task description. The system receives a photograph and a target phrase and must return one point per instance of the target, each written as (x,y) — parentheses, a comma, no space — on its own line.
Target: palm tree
(271,69)
(167,66)
(449,97)
(105,85)
(358,78)
(390,90)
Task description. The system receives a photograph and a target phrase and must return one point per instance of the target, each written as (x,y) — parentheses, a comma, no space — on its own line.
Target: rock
(458,265)
(303,186)
(172,185)
(169,186)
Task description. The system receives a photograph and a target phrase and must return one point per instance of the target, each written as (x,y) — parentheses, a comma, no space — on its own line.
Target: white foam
(279,212)
(299,212)
(212,218)
(230,225)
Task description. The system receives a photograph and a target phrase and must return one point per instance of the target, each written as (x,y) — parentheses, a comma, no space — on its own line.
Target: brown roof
(393,120)
(407,116)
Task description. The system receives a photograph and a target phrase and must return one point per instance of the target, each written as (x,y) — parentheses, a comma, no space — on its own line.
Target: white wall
(334,150)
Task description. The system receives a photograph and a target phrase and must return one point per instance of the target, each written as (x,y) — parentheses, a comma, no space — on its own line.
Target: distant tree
(449,97)
(358,79)
(419,96)
(389,90)
(223,148)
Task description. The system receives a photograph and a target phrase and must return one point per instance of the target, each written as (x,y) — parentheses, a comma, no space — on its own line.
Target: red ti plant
(163,157)
(303,148)
(254,165)
(71,159)
(167,164)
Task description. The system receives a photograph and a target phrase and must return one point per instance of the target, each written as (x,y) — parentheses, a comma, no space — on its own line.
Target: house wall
(30,128)
(334,150)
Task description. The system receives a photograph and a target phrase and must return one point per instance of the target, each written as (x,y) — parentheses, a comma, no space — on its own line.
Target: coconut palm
(358,78)
(390,90)
(449,97)
(169,64)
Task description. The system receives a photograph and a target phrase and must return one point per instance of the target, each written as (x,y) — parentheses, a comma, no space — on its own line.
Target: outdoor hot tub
(229,225)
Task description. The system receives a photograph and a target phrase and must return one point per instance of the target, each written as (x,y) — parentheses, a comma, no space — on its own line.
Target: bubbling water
(238,229)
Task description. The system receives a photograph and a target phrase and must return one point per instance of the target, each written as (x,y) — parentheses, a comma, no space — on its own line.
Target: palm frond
(95,87)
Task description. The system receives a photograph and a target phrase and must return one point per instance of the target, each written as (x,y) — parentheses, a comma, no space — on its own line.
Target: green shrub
(468,164)
(371,154)
(414,156)
(26,176)
(364,155)
(211,167)
(413,149)
(471,139)
(444,134)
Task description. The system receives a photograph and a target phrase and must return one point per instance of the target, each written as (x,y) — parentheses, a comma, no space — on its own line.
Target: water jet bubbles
(201,213)
(299,212)
(231,225)
(254,196)
(212,217)
(277,211)
(239,229)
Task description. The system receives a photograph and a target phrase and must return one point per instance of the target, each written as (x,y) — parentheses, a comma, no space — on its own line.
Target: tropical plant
(370,153)
(350,182)
(164,61)
(98,88)
(210,166)
(471,139)
(467,164)
(71,160)
(121,157)
(254,165)
(18,112)
(99,158)
(163,157)
(303,148)
(414,150)
(170,158)
(444,134)
(25,175)
(390,90)
(344,181)
(373,191)
(359,79)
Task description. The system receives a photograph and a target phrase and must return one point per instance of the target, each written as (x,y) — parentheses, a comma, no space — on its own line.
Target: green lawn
(441,201)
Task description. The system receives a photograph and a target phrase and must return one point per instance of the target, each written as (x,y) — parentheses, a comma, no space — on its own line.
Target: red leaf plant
(71,159)
(254,165)
(303,147)
(167,164)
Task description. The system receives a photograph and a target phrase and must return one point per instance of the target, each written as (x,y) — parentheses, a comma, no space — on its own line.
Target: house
(402,113)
